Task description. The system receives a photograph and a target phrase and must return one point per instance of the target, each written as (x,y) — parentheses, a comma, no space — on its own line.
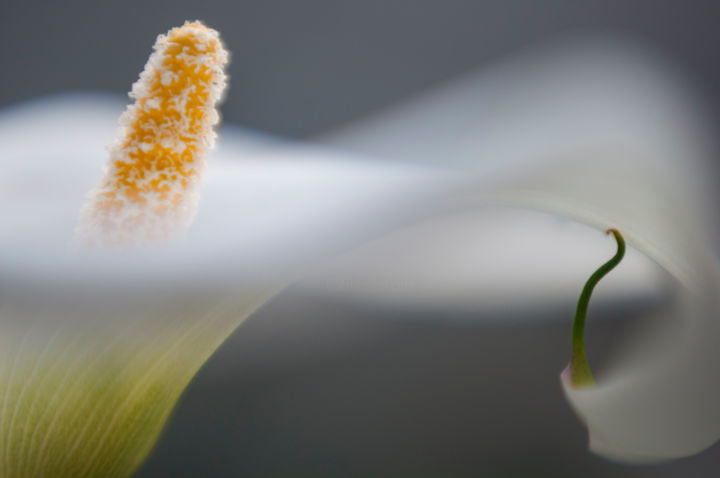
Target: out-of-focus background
(321,388)
(300,68)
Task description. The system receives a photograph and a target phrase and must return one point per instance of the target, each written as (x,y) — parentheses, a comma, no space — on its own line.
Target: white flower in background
(600,132)
(98,344)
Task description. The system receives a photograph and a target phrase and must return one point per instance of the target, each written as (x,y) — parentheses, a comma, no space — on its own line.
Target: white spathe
(592,133)
(605,132)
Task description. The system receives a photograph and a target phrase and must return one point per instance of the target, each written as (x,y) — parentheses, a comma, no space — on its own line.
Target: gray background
(302,66)
(308,388)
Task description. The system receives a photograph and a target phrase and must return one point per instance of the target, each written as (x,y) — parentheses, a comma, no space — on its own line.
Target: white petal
(598,130)
(501,263)
(606,134)
(661,401)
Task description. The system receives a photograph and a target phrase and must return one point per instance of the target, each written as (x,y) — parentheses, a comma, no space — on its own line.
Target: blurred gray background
(310,388)
(300,67)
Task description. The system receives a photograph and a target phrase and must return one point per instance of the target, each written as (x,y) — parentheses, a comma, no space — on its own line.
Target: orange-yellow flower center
(150,181)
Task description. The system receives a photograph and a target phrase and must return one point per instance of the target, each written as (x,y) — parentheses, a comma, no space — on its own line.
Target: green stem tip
(580,375)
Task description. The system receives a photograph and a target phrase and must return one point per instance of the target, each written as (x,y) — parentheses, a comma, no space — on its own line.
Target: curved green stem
(580,375)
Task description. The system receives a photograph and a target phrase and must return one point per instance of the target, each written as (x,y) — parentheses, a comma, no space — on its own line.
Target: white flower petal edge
(491,263)
(605,133)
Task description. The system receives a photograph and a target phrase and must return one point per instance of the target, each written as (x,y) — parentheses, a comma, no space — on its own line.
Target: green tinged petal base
(91,397)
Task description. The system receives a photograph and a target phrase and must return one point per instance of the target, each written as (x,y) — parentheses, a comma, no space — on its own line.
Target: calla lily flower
(98,344)
(607,134)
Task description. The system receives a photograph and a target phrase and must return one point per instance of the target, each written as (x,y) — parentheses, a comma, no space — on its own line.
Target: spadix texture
(150,186)
(87,380)
(99,344)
